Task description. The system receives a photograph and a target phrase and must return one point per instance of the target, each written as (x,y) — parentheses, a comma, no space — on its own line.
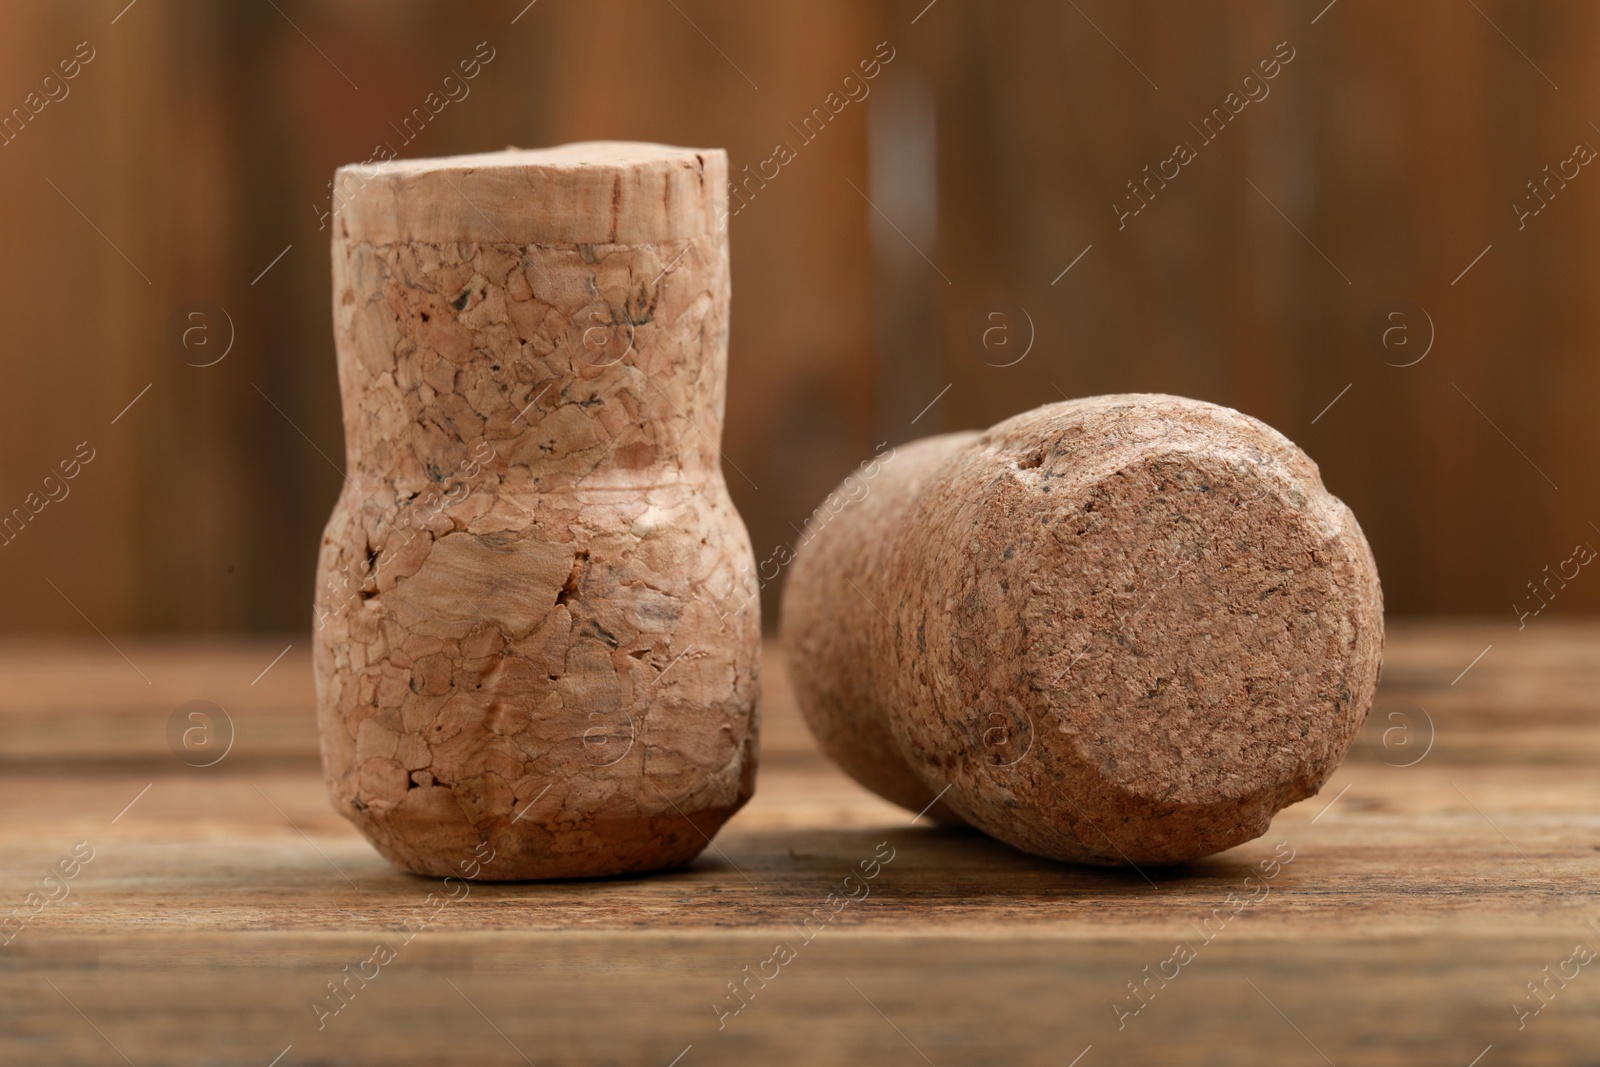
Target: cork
(532,627)
(1118,630)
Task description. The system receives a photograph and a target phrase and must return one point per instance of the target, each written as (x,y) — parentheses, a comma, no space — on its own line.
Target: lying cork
(1120,630)
(532,627)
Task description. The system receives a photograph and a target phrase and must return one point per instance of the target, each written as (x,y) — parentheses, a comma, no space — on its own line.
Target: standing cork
(532,641)
(1120,630)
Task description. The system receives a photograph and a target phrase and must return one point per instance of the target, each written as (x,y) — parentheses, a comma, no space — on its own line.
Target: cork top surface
(594,192)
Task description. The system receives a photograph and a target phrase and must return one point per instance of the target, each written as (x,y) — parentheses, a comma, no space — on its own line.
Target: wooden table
(220,901)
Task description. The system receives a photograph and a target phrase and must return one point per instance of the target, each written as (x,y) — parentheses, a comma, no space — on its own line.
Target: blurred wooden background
(195,147)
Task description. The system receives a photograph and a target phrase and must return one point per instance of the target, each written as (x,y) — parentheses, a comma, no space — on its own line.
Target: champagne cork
(531,635)
(1118,630)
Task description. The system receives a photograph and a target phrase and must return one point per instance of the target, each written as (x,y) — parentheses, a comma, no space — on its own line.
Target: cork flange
(531,622)
(1120,630)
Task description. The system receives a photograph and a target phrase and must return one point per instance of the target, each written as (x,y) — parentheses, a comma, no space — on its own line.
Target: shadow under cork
(945,871)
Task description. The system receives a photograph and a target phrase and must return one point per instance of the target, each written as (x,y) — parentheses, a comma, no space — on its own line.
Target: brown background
(199,141)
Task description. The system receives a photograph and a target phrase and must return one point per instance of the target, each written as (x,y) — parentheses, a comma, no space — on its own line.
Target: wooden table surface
(219,901)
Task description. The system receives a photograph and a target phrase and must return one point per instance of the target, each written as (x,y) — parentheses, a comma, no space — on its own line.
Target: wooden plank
(1418,901)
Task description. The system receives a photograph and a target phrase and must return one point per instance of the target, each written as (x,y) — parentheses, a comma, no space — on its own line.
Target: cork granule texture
(530,624)
(1119,630)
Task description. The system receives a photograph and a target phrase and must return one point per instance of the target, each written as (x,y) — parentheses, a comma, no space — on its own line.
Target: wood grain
(201,140)
(217,907)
